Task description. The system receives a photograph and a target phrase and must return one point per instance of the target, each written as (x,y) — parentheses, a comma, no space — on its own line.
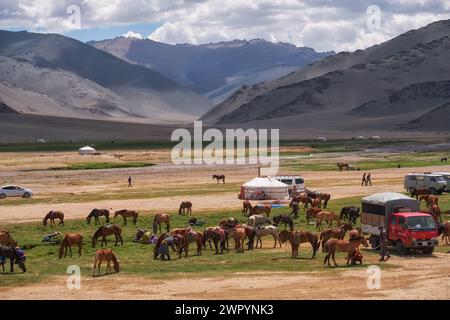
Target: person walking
(130,184)
(384,252)
(364,181)
(368,179)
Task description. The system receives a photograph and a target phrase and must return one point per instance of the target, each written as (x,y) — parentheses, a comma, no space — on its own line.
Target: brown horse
(108,255)
(219,177)
(127,214)
(256,210)
(348,246)
(189,235)
(159,219)
(446,232)
(325,197)
(327,216)
(176,245)
(95,213)
(311,213)
(300,198)
(283,218)
(6,239)
(342,165)
(219,236)
(435,211)
(429,200)
(239,238)
(246,207)
(185,208)
(335,233)
(70,239)
(420,192)
(105,231)
(52,215)
(297,237)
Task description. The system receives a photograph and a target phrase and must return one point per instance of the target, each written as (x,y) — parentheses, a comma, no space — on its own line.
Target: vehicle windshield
(440,178)
(422,222)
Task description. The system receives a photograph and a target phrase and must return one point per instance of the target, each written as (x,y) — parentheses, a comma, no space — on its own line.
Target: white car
(15,191)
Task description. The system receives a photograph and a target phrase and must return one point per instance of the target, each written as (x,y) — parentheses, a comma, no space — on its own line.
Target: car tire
(428,250)
(26,195)
(400,248)
(2,196)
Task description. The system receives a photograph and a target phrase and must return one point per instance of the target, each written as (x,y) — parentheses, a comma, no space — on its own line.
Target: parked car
(435,183)
(298,181)
(15,191)
(446,176)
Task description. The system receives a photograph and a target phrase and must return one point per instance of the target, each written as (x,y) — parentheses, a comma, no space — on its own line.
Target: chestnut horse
(335,233)
(185,208)
(435,211)
(297,237)
(95,213)
(105,231)
(446,232)
(52,215)
(239,238)
(246,207)
(219,236)
(190,235)
(348,246)
(420,192)
(300,198)
(429,200)
(108,255)
(6,239)
(219,177)
(325,197)
(311,213)
(256,210)
(329,217)
(70,239)
(159,219)
(127,214)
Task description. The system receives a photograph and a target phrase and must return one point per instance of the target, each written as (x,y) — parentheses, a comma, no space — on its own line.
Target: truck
(435,183)
(400,215)
(296,181)
(446,176)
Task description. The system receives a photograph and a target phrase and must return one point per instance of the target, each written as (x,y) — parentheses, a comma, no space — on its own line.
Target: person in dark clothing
(384,252)
(368,179)
(364,181)
(295,208)
(130,184)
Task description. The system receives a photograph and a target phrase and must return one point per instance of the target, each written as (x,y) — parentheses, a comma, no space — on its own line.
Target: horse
(70,239)
(239,238)
(446,232)
(300,198)
(189,235)
(283,218)
(435,211)
(429,200)
(349,246)
(219,237)
(108,255)
(185,208)
(127,214)
(159,219)
(342,165)
(335,233)
(312,213)
(265,231)
(329,217)
(297,237)
(13,256)
(251,234)
(355,233)
(229,223)
(105,231)
(95,213)
(52,215)
(6,239)
(350,213)
(258,220)
(444,159)
(325,197)
(219,177)
(176,245)
(420,192)
(256,210)
(246,207)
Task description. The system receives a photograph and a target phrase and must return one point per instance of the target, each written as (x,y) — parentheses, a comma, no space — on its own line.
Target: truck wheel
(2,196)
(433,191)
(26,195)
(400,248)
(428,250)
(374,242)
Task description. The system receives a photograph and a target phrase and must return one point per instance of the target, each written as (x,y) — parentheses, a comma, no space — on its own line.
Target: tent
(86,151)
(264,189)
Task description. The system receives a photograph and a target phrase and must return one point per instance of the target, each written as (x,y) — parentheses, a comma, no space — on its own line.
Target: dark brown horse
(420,192)
(52,215)
(219,177)
(185,208)
(342,165)
(300,198)
(283,218)
(127,214)
(105,231)
(95,213)
(14,258)
(70,239)
(6,239)
(219,236)
(297,237)
(159,219)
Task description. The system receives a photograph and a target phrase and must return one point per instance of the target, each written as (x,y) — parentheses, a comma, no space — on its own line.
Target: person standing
(384,252)
(130,184)
(368,181)
(364,181)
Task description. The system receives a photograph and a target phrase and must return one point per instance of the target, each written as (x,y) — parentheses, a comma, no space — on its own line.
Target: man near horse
(384,252)
(364,180)
(368,179)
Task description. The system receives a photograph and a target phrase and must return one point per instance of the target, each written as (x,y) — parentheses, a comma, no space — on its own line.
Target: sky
(325,25)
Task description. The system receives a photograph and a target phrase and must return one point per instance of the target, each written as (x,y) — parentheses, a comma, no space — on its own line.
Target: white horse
(265,231)
(258,220)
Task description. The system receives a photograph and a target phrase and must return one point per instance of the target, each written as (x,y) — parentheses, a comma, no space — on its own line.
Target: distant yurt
(86,151)
(323,139)
(264,188)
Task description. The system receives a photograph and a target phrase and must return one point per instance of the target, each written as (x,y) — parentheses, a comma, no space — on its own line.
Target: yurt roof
(87,148)
(264,182)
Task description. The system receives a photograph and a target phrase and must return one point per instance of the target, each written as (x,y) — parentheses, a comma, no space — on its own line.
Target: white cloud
(132,34)
(322,24)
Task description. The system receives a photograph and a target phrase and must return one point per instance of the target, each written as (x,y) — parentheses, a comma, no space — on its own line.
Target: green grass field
(137,259)
(104,165)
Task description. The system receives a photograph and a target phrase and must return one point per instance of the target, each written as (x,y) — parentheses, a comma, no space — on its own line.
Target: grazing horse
(350,214)
(265,231)
(52,215)
(95,213)
(189,235)
(420,192)
(219,236)
(335,233)
(251,234)
(283,218)
(13,256)
(435,211)
(229,223)
(185,208)
(342,165)
(444,159)
(311,213)
(256,210)
(176,245)
(127,214)
(70,239)
(298,237)
(329,217)
(429,200)
(108,255)
(6,239)
(300,198)
(105,231)
(159,219)
(348,246)
(446,232)
(239,238)
(246,207)
(258,220)
(219,177)
(325,197)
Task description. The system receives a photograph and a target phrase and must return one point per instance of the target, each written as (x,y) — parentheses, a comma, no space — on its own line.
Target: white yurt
(86,151)
(264,188)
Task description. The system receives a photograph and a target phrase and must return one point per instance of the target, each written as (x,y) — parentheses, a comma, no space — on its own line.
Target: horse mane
(97,233)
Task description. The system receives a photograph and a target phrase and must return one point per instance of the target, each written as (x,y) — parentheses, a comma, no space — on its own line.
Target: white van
(298,181)
(433,182)
(446,176)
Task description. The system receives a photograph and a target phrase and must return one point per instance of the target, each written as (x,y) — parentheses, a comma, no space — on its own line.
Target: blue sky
(110,32)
